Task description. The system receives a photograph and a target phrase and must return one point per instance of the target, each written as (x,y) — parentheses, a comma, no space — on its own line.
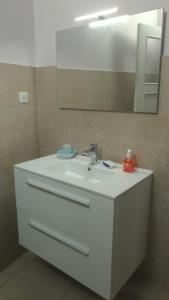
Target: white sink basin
(100,180)
(75,170)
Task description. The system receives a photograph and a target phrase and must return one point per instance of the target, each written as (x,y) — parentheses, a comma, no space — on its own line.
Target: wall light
(97,14)
(100,23)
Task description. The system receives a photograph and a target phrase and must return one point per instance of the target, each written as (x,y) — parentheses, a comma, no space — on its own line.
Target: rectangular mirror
(113,67)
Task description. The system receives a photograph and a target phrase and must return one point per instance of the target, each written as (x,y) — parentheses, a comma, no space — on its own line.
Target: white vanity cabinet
(97,240)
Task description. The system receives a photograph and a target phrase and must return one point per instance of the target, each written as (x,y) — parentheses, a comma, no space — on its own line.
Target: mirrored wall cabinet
(112,67)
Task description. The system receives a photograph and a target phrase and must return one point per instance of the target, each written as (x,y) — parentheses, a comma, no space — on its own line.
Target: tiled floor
(30,278)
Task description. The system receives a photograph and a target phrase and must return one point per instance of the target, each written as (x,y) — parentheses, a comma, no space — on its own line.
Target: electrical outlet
(23,97)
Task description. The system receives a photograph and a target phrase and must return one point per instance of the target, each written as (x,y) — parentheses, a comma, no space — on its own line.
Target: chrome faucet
(92,153)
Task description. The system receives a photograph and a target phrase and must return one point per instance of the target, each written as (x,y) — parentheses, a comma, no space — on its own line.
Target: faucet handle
(93,147)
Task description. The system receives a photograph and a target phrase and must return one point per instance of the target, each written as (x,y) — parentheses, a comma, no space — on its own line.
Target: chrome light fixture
(109,21)
(97,14)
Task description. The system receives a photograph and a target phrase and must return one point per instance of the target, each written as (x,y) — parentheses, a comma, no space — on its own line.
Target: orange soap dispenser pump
(129,163)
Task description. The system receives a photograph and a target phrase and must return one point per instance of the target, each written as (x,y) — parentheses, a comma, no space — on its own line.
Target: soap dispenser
(129,163)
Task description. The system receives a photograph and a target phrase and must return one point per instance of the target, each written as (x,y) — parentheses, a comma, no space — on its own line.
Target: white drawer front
(77,212)
(82,261)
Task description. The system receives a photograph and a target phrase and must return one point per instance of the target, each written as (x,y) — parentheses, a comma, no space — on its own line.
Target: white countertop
(112,187)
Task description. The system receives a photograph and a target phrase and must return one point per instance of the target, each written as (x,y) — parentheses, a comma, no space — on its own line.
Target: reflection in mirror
(147,68)
(153,51)
(111,68)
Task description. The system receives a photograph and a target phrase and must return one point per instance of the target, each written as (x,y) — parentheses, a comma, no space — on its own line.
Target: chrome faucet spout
(92,153)
(93,157)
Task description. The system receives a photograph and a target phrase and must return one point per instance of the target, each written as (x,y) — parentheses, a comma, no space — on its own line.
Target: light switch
(23,97)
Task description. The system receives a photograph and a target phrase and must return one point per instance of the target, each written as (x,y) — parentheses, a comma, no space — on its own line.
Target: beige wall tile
(115,133)
(7,162)
(58,126)
(18,128)
(7,210)
(19,73)
(158,238)
(18,142)
(10,248)
(13,79)
(47,90)
(48,149)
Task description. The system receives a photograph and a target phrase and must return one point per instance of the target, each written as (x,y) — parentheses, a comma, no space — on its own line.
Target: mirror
(113,67)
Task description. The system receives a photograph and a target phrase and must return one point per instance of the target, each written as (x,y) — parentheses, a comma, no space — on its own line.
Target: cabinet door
(91,267)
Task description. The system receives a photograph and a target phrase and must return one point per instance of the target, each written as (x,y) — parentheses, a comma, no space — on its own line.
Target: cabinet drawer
(84,262)
(75,211)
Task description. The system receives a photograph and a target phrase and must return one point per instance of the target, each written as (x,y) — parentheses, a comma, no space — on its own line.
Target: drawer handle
(56,192)
(59,237)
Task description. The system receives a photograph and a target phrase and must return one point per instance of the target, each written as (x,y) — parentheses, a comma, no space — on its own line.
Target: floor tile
(159,294)
(145,290)
(36,281)
(18,264)
(15,267)
(79,292)
(127,294)
(30,278)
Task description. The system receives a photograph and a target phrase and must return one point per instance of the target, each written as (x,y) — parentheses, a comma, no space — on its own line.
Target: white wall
(17,32)
(52,15)
(23,38)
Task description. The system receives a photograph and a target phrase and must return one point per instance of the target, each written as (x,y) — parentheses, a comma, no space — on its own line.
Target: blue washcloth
(66,152)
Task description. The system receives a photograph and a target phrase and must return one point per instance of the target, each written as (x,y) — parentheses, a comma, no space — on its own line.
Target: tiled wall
(147,135)
(18,142)
(95,90)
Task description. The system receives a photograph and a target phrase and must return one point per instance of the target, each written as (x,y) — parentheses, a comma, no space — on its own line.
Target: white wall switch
(23,97)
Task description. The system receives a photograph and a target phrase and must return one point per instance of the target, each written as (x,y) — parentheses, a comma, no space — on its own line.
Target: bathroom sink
(75,170)
(79,173)
(80,218)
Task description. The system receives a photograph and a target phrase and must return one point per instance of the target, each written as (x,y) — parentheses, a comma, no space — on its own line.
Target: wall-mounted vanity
(111,68)
(91,225)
